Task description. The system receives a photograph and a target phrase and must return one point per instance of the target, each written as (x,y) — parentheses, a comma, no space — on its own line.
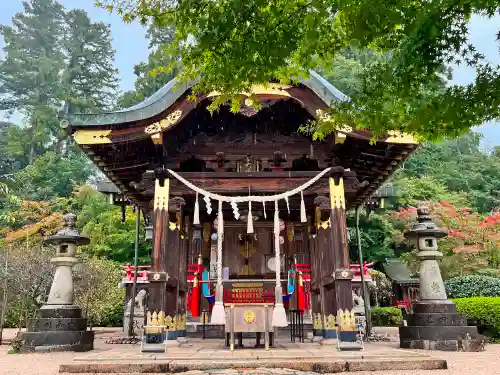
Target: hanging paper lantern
(282,240)
(214,237)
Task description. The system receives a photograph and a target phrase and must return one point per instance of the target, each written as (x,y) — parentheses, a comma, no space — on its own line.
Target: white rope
(249,198)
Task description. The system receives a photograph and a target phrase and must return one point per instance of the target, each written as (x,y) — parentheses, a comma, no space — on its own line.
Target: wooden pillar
(340,250)
(342,274)
(157,292)
(174,252)
(326,264)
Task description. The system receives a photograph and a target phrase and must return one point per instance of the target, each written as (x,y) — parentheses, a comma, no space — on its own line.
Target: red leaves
(468,232)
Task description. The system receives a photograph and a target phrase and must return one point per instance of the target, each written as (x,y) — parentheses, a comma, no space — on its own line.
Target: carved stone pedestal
(438,326)
(58,329)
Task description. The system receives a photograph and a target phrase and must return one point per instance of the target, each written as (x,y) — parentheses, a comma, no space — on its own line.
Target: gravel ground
(486,363)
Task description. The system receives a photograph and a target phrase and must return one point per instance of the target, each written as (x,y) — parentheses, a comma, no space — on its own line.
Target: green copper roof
(173,90)
(397,271)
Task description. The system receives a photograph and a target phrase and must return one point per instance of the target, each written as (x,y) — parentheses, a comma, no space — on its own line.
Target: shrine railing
(129,270)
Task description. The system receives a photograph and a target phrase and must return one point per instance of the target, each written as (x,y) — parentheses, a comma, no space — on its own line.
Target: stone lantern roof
(68,233)
(425,227)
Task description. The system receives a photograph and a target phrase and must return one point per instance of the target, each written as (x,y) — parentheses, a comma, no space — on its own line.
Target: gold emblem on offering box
(156,276)
(249,317)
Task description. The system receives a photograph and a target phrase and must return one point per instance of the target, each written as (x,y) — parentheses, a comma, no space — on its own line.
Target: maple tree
(236,44)
(473,241)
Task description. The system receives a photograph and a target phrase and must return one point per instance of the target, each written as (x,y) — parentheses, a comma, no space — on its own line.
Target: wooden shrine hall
(245,207)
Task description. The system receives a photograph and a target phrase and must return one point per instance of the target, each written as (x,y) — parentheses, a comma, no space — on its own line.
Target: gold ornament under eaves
(163,124)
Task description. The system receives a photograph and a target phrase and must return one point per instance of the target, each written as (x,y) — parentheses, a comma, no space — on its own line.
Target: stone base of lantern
(58,328)
(436,325)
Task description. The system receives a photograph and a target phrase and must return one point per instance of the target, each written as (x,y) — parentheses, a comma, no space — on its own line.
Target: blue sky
(131,48)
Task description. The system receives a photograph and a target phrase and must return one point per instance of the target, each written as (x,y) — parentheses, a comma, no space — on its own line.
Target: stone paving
(459,363)
(210,356)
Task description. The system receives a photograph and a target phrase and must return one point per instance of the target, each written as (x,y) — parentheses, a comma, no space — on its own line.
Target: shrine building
(245,207)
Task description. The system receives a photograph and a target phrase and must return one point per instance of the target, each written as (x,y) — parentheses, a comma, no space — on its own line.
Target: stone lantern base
(436,325)
(57,328)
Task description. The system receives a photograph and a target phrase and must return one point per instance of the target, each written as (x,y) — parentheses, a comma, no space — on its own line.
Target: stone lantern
(434,323)
(59,325)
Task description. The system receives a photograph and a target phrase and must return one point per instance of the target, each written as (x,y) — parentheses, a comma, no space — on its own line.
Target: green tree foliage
(236,44)
(460,166)
(110,238)
(96,290)
(411,189)
(381,291)
(147,83)
(30,72)
(52,175)
(376,237)
(90,79)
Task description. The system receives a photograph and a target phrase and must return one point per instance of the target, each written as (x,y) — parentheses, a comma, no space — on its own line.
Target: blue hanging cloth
(205,287)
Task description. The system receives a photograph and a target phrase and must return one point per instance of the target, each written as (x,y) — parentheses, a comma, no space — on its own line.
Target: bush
(472,286)
(483,311)
(386,316)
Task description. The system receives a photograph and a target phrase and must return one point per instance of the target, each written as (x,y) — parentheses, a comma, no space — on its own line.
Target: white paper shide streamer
(250,218)
(303,217)
(279,313)
(196,215)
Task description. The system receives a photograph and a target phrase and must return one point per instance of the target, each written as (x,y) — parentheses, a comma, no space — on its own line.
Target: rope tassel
(196,215)
(303,217)
(250,218)
(218,313)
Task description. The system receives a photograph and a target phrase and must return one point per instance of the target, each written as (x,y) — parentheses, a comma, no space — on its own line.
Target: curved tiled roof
(173,90)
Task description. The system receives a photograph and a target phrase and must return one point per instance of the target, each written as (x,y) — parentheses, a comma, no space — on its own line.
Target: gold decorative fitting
(156,276)
(163,124)
(151,322)
(300,281)
(340,138)
(157,139)
(398,137)
(195,280)
(290,231)
(92,137)
(161,195)
(317,321)
(173,225)
(271,88)
(249,317)
(330,322)
(337,195)
(207,229)
(346,320)
(325,224)
(204,317)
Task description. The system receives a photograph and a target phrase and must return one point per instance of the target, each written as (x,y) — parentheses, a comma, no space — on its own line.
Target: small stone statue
(139,303)
(358,303)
